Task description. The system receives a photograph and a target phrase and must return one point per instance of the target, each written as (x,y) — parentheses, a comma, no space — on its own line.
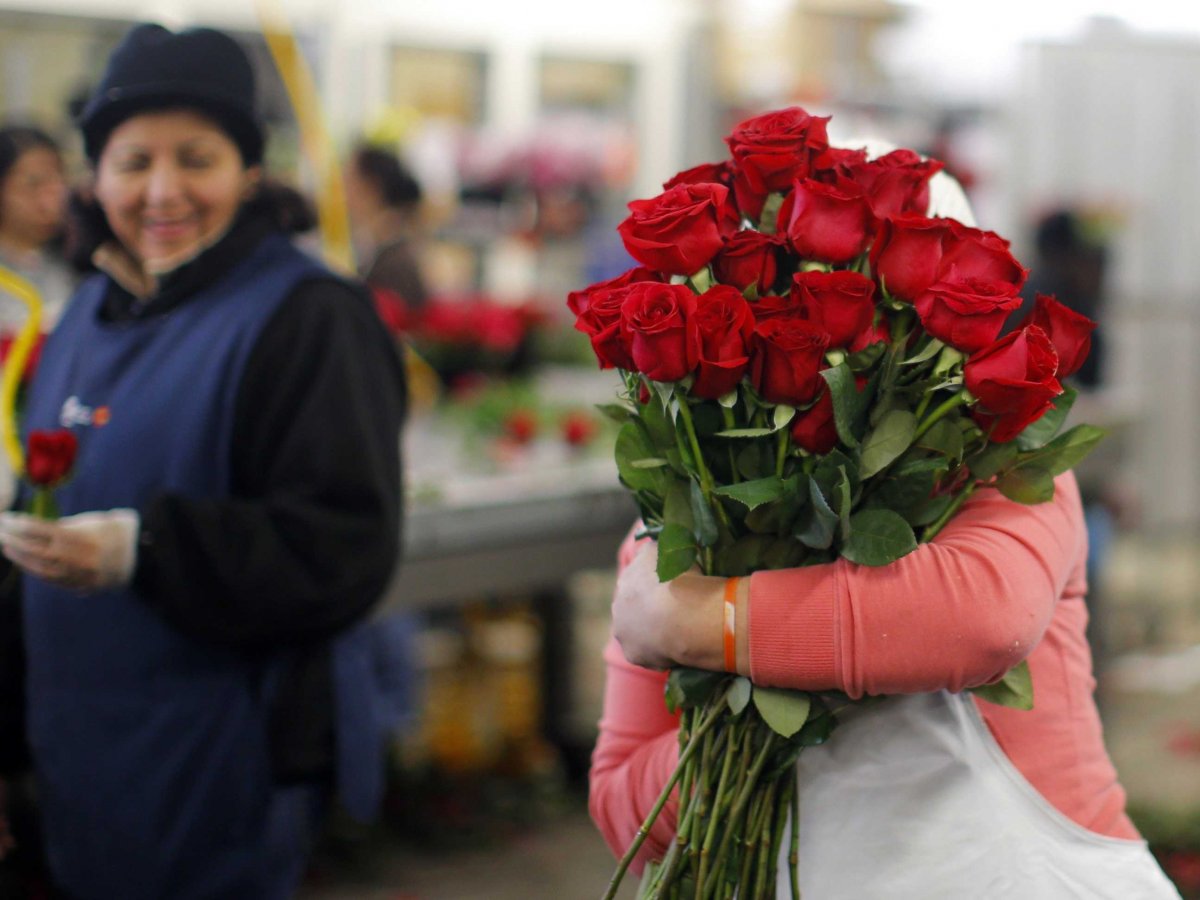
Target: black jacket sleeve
(311,534)
(14,753)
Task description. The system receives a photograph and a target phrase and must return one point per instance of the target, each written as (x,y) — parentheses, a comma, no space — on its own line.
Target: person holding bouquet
(928,791)
(199,672)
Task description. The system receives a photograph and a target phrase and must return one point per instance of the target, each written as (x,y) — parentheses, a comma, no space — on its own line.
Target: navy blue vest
(150,748)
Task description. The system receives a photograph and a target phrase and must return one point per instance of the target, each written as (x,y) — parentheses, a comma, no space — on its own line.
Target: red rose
(842,303)
(786,355)
(680,231)
(967,315)
(771,305)
(705,173)
(49,456)
(521,426)
(601,320)
(578,428)
(907,254)
(773,150)
(577,301)
(878,331)
(980,254)
(830,222)
(749,257)
(1070,332)
(1014,382)
(657,322)
(837,162)
(814,429)
(897,182)
(724,324)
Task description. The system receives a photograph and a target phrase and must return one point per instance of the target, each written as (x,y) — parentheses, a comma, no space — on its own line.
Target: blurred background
(526,127)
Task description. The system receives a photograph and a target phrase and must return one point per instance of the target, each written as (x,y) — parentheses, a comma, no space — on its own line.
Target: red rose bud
(1014,382)
(897,182)
(830,222)
(724,323)
(680,231)
(578,429)
(602,321)
(786,355)
(983,255)
(907,254)
(842,303)
(657,322)
(814,429)
(521,425)
(705,173)
(748,258)
(967,315)
(1070,332)
(49,456)
(577,301)
(772,150)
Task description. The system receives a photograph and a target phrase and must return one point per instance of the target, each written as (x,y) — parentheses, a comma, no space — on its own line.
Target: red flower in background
(1070,332)
(578,428)
(521,426)
(50,456)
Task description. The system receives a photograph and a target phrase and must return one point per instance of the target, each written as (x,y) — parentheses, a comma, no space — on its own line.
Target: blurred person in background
(33,205)
(199,676)
(384,202)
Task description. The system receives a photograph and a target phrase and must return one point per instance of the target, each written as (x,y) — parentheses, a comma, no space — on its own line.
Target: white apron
(913,799)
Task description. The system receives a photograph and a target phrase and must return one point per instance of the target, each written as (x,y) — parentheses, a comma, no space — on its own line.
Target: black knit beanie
(153,68)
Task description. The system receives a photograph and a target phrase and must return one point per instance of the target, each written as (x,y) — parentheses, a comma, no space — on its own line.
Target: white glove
(90,551)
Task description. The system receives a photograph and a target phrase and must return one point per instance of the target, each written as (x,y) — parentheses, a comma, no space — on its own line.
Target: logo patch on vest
(74,414)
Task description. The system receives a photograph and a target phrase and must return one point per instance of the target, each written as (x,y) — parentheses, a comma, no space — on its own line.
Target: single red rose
(578,428)
(770,305)
(896,183)
(837,162)
(601,320)
(1070,332)
(577,301)
(657,320)
(724,324)
(748,257)
(980,254)
(814,429)
(49,456)
(787,354)
(906,255)
(967,315)
(830,222)
(772,150)
(842,303)
(705,173)
(521,425)
(679,231)
(1014,382)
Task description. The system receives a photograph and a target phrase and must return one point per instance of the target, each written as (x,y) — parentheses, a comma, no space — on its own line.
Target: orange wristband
(729,624)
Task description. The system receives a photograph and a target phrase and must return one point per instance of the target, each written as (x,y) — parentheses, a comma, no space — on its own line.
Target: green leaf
(692,687)
(705,525)
(745,555)
(739,694)
(1015,689)
(878,537)
(1066,450)
(841,497)
(847,405)
(816,730)
(1038,433)
(651,462)
(677,506)
(817,529)
(987,463)
(1027,484)
(633,444)
(947,360)
(618,412)
(784,711)
(933,347)
(702,280)
(676,551)
(887,441)
(660,423)
(944,437)
(745,432)
(755,460)
(782,415)
(753,493)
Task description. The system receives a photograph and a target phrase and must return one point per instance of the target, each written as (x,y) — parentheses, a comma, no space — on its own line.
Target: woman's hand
(676,623)
(90,551)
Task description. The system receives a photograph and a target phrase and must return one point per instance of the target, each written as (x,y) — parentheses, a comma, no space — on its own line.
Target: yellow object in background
(14,365)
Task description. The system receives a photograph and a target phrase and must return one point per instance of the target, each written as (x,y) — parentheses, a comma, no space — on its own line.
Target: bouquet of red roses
(811,367)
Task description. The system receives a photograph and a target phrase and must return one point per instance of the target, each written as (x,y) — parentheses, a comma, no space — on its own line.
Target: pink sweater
(1000,583)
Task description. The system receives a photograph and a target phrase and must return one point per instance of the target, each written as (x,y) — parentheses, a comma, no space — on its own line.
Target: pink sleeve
(635,753)
(955,613)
